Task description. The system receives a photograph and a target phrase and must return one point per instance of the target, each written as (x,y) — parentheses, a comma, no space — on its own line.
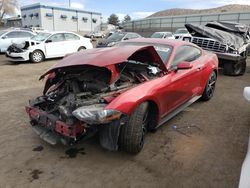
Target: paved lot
(208,154)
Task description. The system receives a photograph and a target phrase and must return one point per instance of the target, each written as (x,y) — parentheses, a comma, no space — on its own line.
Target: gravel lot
(208,154)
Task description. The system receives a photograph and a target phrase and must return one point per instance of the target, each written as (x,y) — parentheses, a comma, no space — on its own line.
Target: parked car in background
(180,33)
(121,92)
(117,37)
(163,35)
(48,45)
(8,37)
(95,34)
(38,29)
(229,40)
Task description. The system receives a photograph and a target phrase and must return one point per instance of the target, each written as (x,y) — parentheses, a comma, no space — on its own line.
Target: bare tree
(7,7)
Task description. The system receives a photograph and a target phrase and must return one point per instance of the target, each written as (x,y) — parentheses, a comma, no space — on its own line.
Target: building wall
(149,25)
(56,23)
(47,23)
(28,21)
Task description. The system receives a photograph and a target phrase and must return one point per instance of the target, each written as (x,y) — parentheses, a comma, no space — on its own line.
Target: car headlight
(96,114)
(112,44)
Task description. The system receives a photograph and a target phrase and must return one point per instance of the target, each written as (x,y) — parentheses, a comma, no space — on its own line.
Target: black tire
(132,134)
(235,69)
(81,48)
(210,87)
(37,56)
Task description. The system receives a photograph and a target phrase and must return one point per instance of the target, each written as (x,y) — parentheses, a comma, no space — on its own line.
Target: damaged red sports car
(121,92)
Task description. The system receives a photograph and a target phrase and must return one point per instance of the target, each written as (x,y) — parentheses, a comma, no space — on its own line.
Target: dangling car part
(120,92)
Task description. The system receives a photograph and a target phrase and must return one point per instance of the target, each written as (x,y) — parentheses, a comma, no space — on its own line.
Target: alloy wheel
(211,85)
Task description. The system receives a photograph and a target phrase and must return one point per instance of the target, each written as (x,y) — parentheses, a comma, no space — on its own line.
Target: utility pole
(69,3)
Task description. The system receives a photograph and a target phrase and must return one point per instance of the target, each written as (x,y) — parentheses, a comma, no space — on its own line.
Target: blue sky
(137,9)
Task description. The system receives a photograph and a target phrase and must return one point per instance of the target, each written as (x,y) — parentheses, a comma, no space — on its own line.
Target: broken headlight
(96,114)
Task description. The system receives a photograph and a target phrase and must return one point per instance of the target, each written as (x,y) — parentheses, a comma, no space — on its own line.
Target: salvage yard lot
(208,154)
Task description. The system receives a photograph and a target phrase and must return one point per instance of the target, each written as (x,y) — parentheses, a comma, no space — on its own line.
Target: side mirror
(184,65)
(48,41)
(125,39)
(5,37)
(246,93)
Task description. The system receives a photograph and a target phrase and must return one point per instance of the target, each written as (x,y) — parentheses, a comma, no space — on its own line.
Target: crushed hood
(233,40)
(229,27)
(104,57)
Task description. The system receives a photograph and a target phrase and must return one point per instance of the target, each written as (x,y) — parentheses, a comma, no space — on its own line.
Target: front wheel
(210,87)
(37,56)
(132,134)
(235,69)
(81,49)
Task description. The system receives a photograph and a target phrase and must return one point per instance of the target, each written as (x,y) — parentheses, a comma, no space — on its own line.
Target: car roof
(9,30)
(56,32)
(170,42)
(163,32)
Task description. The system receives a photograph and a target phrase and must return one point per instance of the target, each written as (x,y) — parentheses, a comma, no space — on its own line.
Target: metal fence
(171,23)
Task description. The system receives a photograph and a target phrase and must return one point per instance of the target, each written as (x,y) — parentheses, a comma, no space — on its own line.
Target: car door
(55,46)
(184,84)
(72,43)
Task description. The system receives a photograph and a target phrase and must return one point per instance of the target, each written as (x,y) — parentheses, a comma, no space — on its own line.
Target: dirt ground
(208,154)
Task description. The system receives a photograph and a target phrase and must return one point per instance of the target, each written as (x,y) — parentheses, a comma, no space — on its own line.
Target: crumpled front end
(75,101)
(20,52)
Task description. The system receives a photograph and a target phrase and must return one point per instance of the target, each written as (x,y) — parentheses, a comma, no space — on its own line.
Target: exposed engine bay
(74,97)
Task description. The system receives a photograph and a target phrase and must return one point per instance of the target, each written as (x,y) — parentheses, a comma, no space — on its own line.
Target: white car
(180,33)
(8,37)
(48,45)
(163,35)
(245,170)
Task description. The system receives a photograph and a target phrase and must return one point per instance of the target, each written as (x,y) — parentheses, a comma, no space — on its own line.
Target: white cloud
(121,16)
(77,5)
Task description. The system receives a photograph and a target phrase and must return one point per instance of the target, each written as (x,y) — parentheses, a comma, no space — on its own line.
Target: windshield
(181,31)
(157,35)
(41,36)
(163,50)
(116,36)
(2,32)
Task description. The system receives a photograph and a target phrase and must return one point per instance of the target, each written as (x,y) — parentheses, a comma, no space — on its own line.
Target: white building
(54,18)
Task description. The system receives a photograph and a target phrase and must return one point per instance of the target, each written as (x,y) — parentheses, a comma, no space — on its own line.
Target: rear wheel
(210,87)
(37,56)
(82,48)
(132,134)
(235,69)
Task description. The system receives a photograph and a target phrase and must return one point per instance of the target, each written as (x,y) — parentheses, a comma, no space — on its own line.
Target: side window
(132,36)
(168,35)
(185,53)
(24,34)
(13,34)
(57,38)
(127,36)
(70,37)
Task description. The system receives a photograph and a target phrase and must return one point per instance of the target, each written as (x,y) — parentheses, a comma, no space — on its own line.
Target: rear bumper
(24,56)
(51,129)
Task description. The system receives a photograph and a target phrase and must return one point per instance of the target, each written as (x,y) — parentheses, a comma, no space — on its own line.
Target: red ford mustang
(121,92)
